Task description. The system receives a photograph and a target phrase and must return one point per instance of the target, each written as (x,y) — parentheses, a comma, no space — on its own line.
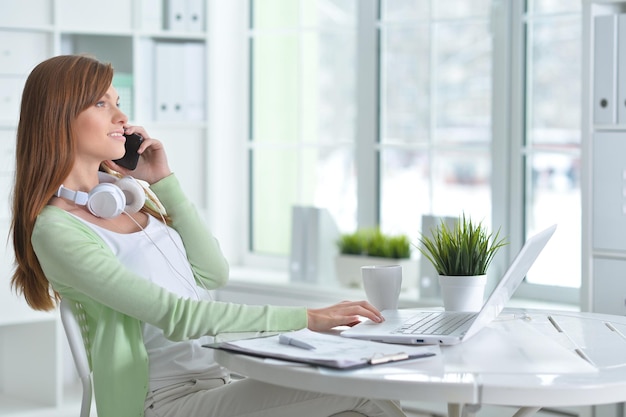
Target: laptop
(419,326)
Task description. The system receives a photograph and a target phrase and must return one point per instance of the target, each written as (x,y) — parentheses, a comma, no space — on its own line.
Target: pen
(283,339)
(389,358)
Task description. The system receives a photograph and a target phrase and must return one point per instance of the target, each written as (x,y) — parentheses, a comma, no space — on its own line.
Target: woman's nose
(121,116)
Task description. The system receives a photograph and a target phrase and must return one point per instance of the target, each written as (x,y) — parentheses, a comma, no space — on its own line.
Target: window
(383,111)
(551,139)
(435,111)
(303,110)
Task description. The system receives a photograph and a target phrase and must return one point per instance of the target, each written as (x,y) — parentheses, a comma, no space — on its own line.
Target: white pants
(247,398)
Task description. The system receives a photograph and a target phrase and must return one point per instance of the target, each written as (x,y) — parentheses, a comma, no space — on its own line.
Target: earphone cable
(180,276)
(160,209)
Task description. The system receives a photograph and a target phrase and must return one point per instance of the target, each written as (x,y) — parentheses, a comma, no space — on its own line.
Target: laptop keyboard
(435,323)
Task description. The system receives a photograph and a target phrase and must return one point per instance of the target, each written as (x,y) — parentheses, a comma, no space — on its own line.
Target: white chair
(75,327)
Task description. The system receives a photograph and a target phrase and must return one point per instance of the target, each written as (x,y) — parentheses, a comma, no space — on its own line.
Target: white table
(526,358)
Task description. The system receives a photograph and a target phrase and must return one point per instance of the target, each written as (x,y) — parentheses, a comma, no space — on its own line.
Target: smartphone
(131,157)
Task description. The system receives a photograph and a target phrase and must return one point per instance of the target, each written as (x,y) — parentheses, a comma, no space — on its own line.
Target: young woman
(135,273)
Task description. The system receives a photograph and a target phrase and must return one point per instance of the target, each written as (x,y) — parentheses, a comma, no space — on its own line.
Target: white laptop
(418,326)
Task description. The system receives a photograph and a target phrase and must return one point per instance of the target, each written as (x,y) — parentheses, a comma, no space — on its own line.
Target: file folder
(176,15)
(169,81)
(313,249)
(195,15)
(621,65)
(180,84)
(428,284)
(194,85)
(151,15)
(604,77)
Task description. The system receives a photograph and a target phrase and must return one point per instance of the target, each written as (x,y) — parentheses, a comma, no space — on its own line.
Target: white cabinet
(604,156)
(129,34)
(20,51)
(609,190)
(610,285)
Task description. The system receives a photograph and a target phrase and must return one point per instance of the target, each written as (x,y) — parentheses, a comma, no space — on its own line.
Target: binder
(604,78)
(145,85)
(313,249)
(297,254)
(330,350)
(169,81)
(195,15)
(621,66)
(151,15)
(176,15)
(193,81)
(428,285)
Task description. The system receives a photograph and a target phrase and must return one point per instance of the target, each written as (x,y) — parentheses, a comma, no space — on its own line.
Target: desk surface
(526,358)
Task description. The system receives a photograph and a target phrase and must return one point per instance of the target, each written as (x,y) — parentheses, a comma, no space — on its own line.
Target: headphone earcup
(106,200)
(134,193)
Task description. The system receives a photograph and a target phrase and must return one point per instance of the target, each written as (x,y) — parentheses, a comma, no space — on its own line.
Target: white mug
(382,284)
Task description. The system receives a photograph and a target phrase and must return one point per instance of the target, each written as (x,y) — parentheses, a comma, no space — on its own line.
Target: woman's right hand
(345,313)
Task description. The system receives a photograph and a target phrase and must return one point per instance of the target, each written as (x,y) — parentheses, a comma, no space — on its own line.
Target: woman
(135,274)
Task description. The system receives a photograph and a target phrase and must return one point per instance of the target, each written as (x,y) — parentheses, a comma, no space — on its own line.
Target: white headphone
(110,198)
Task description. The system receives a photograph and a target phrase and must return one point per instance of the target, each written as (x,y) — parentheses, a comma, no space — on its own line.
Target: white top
(170,362)
(525,358)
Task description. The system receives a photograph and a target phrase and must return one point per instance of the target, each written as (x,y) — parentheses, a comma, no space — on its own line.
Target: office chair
(75,325)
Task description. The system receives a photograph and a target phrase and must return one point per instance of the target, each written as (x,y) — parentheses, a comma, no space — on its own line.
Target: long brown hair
(56,92)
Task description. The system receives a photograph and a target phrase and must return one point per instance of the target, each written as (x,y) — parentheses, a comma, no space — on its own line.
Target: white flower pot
(463,293)
(348,269)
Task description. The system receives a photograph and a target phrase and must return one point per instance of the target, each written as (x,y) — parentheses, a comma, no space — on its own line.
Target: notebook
(413,326)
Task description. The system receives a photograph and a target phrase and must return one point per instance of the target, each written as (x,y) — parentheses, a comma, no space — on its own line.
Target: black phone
(131,157)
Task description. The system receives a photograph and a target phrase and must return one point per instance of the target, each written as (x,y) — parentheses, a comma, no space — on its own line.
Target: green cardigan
(81,267)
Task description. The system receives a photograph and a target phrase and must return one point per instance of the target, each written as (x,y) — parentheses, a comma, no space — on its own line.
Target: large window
(383,111)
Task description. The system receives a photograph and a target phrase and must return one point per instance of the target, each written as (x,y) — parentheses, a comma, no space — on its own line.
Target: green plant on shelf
(372,242)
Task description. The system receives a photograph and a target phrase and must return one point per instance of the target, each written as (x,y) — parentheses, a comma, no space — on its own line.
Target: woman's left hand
(345,313)
(152,165)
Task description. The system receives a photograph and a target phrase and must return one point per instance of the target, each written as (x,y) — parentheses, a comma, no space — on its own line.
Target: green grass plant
(466,249)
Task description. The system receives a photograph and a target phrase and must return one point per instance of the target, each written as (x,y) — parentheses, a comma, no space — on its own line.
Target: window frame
(516,150)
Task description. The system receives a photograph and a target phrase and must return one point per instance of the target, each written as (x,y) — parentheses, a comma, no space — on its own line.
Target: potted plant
(370,246)
(461,255)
